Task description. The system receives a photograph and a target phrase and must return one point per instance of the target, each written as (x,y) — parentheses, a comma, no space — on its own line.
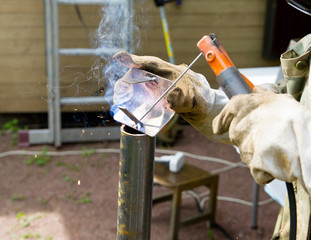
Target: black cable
(292,211)
(222,230)
(214,224)
(79,14)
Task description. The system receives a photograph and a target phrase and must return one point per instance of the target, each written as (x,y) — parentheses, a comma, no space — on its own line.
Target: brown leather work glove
(192,98)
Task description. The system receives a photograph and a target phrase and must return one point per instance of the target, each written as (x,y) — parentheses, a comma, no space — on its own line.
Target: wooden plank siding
(239,25)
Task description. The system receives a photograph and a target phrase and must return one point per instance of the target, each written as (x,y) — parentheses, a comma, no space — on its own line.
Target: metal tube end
(131,131)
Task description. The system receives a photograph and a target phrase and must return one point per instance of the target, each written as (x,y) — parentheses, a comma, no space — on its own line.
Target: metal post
(129,28)
(167,37)
(135,184)
(56,82)
(49,68)
(255,205)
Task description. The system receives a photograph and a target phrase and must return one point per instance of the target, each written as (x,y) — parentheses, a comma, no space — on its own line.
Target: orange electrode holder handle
(217,57)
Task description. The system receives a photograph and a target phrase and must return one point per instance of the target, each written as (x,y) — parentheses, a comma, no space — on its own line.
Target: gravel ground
(74,197)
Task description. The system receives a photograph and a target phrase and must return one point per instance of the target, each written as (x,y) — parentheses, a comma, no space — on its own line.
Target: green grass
(42,200)
(25,221)
(79,199)
(34,236)
(85,198)
(17,197)
(39,160)
(210,234)
(12,128)
(88,152)
(69,179)
(69,166)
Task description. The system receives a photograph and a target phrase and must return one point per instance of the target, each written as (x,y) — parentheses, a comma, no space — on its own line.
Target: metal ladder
(55,133)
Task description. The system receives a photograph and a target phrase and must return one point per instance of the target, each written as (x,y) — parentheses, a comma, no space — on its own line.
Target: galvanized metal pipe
(88,2)
(56,76)
(49,68)
(104,101)
(88,51)
(135,184)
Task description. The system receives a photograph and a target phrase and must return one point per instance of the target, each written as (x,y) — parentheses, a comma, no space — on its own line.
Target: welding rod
(170,87)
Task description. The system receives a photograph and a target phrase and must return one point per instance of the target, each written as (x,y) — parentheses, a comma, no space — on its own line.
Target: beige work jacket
(296,65)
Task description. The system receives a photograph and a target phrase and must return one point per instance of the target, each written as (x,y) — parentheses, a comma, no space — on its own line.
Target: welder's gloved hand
(192,98)
(273,133)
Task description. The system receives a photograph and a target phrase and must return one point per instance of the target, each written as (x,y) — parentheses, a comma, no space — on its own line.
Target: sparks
(82,132)
(79,182)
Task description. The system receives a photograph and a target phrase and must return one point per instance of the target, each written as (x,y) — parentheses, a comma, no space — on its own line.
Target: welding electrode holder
(232,82)
(228,76)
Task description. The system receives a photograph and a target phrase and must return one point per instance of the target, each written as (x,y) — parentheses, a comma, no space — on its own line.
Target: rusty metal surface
(135,184)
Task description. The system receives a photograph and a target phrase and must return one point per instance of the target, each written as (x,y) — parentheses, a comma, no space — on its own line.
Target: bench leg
(175,214)
(213,199)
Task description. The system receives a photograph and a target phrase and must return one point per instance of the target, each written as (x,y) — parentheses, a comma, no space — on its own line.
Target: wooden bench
(188,178)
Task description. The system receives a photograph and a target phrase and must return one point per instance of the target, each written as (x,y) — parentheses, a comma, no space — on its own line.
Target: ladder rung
(88,2)
(88,51)
(84,100)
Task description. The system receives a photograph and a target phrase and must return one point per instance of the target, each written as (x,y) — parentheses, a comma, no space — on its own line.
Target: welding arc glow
(170,87)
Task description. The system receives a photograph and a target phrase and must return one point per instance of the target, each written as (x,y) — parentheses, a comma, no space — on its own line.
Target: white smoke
(117,31)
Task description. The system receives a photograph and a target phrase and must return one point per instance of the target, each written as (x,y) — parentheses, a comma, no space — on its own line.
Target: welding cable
(222,230)
(200,205)
(203,198)
(196,156)
(292,211)
(115,150)
(236,200)
(201,210)
(58,153)
(78,12)
(231,165)
(228,168)
(197,200)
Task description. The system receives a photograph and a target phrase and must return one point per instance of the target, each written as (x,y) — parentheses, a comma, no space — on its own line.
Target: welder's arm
(273,133)
(192,98)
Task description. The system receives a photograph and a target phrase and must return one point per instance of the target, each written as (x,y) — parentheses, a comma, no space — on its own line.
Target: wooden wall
(239,25)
